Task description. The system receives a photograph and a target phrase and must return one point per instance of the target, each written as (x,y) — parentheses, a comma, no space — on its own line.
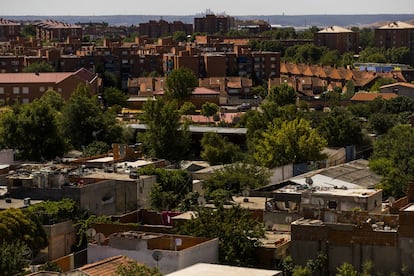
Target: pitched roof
(370,96)
(335,30)
(46,77)
(397,25)
(204,91)
(405,84)
(106,267)
(5,22)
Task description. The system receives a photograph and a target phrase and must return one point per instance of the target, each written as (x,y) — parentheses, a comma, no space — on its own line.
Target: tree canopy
(166,137)
(114,96)
(33,130)
(217,150)
(39,67)
(239,235)
(393,158)
(180,84)
(287,142)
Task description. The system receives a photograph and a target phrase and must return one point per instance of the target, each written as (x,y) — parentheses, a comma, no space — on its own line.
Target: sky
(192,7)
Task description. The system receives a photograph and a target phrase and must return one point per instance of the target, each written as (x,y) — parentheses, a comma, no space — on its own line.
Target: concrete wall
(282,218)
(206,252)
(62,236)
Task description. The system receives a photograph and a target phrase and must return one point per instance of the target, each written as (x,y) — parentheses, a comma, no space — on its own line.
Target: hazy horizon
(181,8)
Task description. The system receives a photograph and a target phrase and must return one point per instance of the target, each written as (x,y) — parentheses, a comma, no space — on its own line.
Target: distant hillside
(287,20)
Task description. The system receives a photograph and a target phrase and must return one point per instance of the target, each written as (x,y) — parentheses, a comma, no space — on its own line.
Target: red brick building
(160,28)
(26,87)
(337,38)
(50,30)
(212,24)
(395,35)
(9,30)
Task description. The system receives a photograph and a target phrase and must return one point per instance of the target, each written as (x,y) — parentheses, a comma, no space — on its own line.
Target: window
(50,88)
(59,89)
(273,58)
(16,90)
(25,90)
(25,100)
(14,62)
(1,90)
(42,89)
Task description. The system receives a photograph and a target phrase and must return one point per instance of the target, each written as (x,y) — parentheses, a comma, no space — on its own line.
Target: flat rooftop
(202,269)
(16,203)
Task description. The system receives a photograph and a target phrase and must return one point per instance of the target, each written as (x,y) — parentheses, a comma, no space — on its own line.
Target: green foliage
(188,108)
(217,150)
(83,121)
(235,178)
(16,225)
(165,136)
(39,67)
(380,82)
(179,36)
(367,268)
(28,31)
(54,99)
(85,223)
(96,148)
(239,235)
(133,268)
(172,186)
(306,53)
(14,257)
(346,269)
(33,130)
(286,142)
(51,212)
(50,266)
(114,96)
(301,271)
(393,157)
(180,84)
(209,109)
(282,95)
(341,128)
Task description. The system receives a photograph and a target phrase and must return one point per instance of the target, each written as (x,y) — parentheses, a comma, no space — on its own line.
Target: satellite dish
(99,238)
(309,180)
(201,201)
(91,232)
(157,255)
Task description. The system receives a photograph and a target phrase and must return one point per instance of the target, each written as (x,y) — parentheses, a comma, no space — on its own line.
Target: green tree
(180,84)
(209,109)
(114,96)
(239,235)
(165,136)
(179,36)
(33,130)
(83,120)
(14,257)
(330,58)
(25,227)
(171,187)
(54,99)
(380,82)
(341,128)
(133,268)
(287,142)
(235,178)
(96,148)
(188,108)
(217,150)
(346,269)
(51,212)
(282,95)
(301,271)
(28,31)
(393,158)
(39,67)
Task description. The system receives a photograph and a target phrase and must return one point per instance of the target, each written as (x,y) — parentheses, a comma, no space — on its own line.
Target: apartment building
(9,30)
(26,87)
(51,30)
(212,24)
(337,38)
(395,35)
(155,29)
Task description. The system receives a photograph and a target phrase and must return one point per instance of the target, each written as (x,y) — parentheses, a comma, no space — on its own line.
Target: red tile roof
(5,22)
(106,267)
(370,96)
(55,77)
